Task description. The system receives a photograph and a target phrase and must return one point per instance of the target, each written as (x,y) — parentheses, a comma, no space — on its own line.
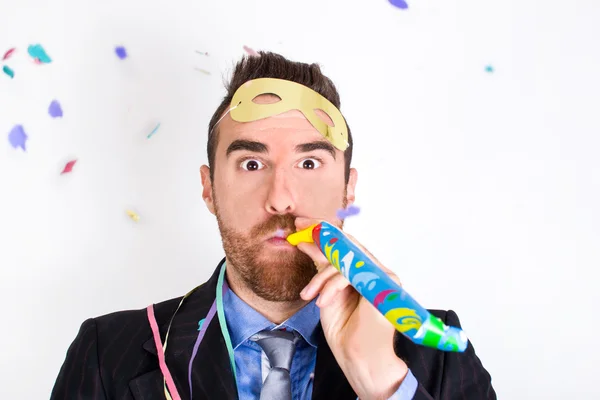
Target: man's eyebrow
(318,145)
(248,145)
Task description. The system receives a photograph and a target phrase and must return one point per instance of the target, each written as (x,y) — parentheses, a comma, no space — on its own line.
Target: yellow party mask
(293,96)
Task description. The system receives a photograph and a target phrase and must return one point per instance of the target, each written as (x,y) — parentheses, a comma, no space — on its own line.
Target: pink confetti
(37,61)
(69,167)
(251,51)
(8,54)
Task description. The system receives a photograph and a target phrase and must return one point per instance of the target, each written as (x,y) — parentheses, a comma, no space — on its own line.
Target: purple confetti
(121,52)
(399,3)
(348,212)
(55,110)
(17,137)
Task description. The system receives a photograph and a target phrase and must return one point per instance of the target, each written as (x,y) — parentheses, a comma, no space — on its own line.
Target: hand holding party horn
(388,297)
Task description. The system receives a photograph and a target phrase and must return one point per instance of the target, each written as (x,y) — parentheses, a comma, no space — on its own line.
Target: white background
(479,189)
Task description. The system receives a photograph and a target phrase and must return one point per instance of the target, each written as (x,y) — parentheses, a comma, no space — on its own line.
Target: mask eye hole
(266,98)
(323,116)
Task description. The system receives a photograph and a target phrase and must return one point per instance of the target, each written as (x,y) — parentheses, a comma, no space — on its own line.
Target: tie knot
(279,346)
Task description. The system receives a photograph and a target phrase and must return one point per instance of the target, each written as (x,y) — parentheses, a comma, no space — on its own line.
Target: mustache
(285,222)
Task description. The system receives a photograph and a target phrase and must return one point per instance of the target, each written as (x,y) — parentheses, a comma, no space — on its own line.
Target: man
(274,321)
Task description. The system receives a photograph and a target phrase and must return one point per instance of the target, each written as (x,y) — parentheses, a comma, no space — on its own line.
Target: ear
(350,197)
(207,192)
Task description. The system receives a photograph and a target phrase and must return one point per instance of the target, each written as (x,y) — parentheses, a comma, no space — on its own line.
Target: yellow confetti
(133,215)
(202,70)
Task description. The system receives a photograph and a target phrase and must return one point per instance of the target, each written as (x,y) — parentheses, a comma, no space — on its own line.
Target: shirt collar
(244,321)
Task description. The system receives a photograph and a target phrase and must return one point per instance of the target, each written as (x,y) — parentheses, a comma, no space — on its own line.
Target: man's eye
(252,165)
(309,163)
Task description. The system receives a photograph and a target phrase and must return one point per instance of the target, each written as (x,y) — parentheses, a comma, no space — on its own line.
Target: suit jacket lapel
(330,382)
(212,376)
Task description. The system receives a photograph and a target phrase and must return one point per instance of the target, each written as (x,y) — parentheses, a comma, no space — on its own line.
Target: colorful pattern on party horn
(389,298)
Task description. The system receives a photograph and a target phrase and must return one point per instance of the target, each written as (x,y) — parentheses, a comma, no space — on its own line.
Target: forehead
(284,130)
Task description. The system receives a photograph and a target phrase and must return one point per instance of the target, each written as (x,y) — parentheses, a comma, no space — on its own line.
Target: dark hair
(272,65)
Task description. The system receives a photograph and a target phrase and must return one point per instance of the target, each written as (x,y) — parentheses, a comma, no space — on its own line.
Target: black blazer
(114,357)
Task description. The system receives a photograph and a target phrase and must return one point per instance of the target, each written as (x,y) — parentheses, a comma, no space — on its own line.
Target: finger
(312,250)
(333,286)
(317,283)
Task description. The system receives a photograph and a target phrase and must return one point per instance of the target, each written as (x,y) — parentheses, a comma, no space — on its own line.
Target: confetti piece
(153,131)
(121,52)
(489,69)
(204,54)
(8,54)
(55,110)
(8,71)
(68,167)
(251,51)
(39,54)
(200,323)
(399,3)
(348,212)
(202,70)
(17,137)
(133,215)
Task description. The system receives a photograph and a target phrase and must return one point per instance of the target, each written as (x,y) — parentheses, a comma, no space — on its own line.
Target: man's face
(267,173)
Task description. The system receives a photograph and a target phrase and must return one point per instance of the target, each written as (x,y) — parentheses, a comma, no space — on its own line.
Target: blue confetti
(399,3)
(17,137)
(55,110)
(489,69)
(121,52)
(153,131)
(348,212)
(38,53)
(200,323)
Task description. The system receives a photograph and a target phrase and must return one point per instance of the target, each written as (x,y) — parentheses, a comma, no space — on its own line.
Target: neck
(275,311)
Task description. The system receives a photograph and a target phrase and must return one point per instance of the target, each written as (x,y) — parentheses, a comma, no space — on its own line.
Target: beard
(277,277)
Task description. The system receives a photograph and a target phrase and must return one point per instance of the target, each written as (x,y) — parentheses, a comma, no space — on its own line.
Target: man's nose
(280,199)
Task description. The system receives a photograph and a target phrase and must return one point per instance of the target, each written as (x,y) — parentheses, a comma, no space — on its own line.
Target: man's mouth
(278,238)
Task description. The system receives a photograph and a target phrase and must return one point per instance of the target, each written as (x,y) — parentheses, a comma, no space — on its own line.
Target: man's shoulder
(446,374)
(134,316)
(440,313)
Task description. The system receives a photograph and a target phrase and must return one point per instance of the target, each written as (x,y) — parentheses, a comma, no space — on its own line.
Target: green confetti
(153,131)
(6,69)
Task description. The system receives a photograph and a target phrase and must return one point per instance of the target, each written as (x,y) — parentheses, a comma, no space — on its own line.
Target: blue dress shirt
(252,365)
